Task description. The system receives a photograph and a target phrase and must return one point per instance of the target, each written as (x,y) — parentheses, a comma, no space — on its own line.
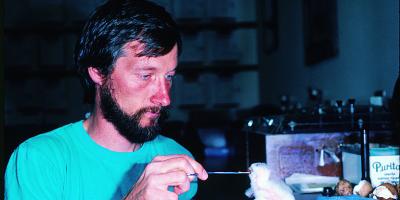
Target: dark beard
(128,125)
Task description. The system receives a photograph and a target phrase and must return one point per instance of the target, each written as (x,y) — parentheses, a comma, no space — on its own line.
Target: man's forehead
(136,48)
(133,47)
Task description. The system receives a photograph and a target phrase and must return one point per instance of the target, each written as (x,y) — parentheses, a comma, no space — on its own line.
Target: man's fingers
(162,158)
(182,162)
(164,171)
(182,188)
(155,186)
(161,195)
(172,164)
(175,178)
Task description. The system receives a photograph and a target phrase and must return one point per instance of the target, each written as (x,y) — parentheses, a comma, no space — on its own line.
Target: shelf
(195,25)
(192,106)
(51,28)
(217,25)
(222,69)
(202,107)
(47,72)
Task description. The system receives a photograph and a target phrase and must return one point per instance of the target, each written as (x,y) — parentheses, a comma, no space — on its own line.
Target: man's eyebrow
(172,70)
(151,68)
(146,68)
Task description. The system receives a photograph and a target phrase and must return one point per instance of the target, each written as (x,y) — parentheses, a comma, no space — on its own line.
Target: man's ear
(95,75)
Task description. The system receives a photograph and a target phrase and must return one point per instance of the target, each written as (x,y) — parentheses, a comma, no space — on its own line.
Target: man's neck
(104,134)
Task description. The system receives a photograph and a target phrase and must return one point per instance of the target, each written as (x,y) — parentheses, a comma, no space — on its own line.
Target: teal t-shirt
(67,164)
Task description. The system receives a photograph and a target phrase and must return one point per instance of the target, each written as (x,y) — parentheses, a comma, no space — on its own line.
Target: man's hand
(164,171)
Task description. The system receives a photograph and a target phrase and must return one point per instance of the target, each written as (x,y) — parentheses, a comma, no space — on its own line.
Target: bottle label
(384,169)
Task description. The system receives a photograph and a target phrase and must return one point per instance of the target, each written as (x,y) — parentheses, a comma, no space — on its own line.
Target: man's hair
(114,24)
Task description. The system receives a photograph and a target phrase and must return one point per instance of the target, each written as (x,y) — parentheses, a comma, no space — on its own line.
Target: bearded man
(127,55)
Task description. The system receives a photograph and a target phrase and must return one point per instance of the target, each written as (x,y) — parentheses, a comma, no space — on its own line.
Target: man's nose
(161,97)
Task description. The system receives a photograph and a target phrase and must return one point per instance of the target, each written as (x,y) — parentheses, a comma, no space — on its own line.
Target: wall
(32,50)
(368,60)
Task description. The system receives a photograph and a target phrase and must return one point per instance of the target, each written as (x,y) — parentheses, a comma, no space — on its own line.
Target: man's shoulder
(51,140)
(164,140)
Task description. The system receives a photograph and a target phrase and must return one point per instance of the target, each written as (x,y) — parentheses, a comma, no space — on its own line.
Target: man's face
(137,90)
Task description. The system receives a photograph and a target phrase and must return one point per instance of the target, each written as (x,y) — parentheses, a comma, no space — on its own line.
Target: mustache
(154,109)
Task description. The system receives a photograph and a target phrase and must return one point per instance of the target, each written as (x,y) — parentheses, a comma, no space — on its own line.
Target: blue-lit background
(241,58)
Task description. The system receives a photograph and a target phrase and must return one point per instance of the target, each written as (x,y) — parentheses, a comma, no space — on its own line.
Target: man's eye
(145,76)
(170,77)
